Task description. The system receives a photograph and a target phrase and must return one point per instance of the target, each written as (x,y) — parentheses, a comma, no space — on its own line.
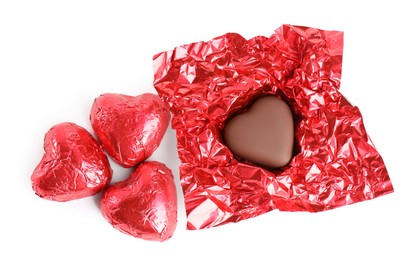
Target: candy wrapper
(334,162)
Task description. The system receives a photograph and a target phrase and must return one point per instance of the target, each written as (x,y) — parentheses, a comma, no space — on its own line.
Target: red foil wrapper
(129,128)
(205,83)
(144,205)
(73,165)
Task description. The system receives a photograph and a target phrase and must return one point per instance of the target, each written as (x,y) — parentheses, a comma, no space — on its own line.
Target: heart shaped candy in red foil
(129,128)
(144,205)
(73,166)
(205,83)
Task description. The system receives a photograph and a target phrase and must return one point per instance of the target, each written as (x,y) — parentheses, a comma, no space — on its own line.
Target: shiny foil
(129,128)
(73,165)
(145,204)
(205,83)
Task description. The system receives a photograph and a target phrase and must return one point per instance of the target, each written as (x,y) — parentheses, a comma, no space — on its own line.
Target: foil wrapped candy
(145,204)
(73,166)
(205,83)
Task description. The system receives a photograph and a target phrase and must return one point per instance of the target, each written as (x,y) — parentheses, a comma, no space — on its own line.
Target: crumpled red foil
(204,83)
(145,204)
(73,165)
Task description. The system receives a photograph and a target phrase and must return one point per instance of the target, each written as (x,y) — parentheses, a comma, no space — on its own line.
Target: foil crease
(73,165)
(145,204)
(205,83)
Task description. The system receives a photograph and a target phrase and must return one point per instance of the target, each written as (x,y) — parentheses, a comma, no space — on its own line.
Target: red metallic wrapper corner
(145,204)
(205,83)
(73,165)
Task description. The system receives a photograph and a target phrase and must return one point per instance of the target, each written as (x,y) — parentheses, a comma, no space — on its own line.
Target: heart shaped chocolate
(73,165)
(145,204)
(264,134)
(129,128)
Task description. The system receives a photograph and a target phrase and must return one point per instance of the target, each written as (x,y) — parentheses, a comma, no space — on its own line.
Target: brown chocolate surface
(264,134)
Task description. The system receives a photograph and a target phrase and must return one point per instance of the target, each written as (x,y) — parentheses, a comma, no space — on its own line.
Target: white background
(57,56)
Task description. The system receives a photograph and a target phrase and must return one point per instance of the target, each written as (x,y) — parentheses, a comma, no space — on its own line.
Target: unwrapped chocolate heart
(129,128)
(144,205)
(73,166)
(264,134)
